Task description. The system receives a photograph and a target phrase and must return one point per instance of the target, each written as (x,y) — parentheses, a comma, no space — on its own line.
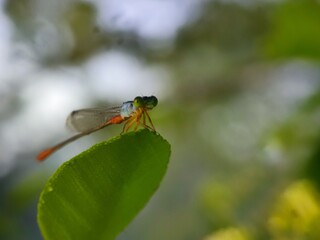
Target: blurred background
(238,83)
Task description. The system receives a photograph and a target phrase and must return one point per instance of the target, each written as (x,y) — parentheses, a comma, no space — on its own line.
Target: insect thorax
(127,109)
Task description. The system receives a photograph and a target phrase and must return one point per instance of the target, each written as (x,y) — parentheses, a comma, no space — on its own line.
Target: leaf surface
(97,193)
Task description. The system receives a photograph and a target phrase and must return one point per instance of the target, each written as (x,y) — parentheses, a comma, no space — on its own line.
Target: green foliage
(313,166)
(97,193)
(296,31)
(229,234)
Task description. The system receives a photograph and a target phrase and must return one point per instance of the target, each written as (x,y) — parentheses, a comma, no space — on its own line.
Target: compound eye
(137,101)
(153,101)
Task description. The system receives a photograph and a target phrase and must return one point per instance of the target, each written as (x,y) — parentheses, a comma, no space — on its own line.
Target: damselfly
(85,121)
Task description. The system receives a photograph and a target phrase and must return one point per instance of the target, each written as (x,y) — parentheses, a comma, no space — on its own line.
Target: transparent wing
(86,119)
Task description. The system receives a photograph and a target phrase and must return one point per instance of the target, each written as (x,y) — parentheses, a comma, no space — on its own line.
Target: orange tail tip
(44,154)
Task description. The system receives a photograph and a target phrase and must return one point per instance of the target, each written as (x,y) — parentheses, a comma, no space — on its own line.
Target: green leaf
(97,193)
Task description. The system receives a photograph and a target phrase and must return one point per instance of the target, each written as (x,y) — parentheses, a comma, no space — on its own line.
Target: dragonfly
(86,121)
